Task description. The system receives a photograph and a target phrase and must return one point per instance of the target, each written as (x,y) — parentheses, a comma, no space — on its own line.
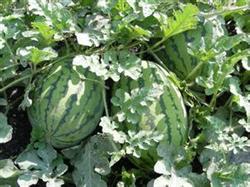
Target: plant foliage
(112,39)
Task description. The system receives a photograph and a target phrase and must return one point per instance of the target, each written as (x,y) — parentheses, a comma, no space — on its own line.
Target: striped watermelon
(176,55)
(65,106)
(168,114)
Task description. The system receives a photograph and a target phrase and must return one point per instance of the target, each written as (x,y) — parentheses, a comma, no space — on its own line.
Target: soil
(18,119)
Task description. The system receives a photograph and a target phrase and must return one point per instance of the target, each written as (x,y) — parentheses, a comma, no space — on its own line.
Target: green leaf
(40,161)
(139,141)
(144,7)
(110,127)
(180,178)
(92,161)
(84,39)
(27,102)
(56,14)
(128,179)
(111,65)
(246,63)
(71,152)
(180,22)
(2,43)
(217,72)
(3,102)
(12,26)
(235,175)
(95,32)
(92,62)
(5,129)
(226,43)
(55,183)
(132,105)
(7,168)
(242,22)
(46,31)
(36,55)
(123,62)
(169,155)
(27,180)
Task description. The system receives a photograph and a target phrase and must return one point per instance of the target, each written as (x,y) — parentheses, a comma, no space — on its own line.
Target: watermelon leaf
(171,174)
(5,129)
(132,105)
(46,32)
(3,102)
(111,65)
(92,161)
(40,161)
(55,14)
(36,55)
(95,32)
(7,168)
(133,141)
(181,21)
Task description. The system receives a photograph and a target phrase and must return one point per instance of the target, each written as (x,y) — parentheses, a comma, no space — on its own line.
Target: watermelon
(175,53)
(168,114)
(67,104)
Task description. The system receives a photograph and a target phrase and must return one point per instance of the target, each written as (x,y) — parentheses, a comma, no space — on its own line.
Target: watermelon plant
(124,93)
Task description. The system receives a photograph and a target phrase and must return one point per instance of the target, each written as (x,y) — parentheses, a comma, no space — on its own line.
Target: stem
(226,68)
(129,46)
(230,113)
(158,49)
(6,98)
(99,82)
(107,114)
(158,59)
(159,43)
(58,60)
(8,67)
(195,70)
(213,100)
(74,46)
(67,46)
(228,10)
(62,58)
(133,161)
(11,52)
(14,82)
(34,71)
(153,50)
(105,102)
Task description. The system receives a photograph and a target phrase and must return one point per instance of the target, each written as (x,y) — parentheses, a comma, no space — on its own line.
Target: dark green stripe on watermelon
(166,122)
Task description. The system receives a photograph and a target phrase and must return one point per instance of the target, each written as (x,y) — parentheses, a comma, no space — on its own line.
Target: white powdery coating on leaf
(84,39)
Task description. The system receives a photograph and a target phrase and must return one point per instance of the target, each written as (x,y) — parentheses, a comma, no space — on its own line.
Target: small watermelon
(67,104)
